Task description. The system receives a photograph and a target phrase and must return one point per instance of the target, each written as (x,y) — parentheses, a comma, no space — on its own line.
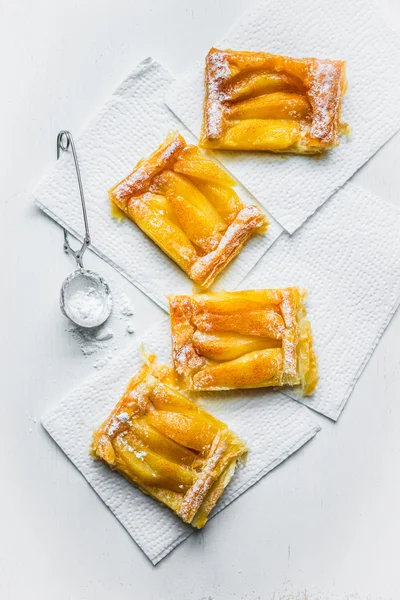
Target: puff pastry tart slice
(245,339)
(188,206)
(261,101)
(169,447)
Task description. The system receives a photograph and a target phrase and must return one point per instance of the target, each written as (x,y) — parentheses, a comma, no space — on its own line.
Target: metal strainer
(85,297)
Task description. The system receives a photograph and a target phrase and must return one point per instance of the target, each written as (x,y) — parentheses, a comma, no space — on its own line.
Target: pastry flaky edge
(325,85)
(206,268)
(298,367)
(214,464)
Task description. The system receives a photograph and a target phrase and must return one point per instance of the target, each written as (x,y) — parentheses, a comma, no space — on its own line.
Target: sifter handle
(65,142)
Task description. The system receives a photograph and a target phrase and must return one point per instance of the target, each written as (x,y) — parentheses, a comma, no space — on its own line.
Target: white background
(325,525)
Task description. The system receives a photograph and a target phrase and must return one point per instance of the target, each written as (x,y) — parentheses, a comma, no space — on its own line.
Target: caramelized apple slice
(224,199)
(228,346)
(196,226)
(192,162)
(228,302)
(196,215)
(189,429)
(164,397)
(279,105)
(182,186)
(250,84)
(265,323)
(166,234)
(160,203)
(273,135)
(251,369)
(138,470)
(133,466)
(161,465)
(160,444)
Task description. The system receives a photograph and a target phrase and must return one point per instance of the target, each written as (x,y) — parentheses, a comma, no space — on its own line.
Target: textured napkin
(348,258)
(293,187)
(130,126)
(273,427)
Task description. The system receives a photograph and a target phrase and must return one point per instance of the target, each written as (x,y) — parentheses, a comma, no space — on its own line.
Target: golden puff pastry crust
(187,205)
(245,339)
(261,101)
(168,446)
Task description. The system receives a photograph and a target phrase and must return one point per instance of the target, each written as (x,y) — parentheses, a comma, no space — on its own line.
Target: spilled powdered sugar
(104,334)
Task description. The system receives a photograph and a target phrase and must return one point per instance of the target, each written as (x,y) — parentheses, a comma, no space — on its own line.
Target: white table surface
(325,525)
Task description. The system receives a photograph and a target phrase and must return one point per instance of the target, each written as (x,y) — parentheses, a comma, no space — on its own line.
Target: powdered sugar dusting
(286,307)
(187,357)
(218,74)
(140,397)
(171,149)
(325,94)
(126,188)
(289,355)
(113,426)
(195,495)
(140,454)
(123,417)
(248,219)
(139,180)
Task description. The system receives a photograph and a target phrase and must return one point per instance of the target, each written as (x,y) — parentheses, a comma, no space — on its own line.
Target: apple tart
(168,446)
(262,101)
(244,339)
(187,205)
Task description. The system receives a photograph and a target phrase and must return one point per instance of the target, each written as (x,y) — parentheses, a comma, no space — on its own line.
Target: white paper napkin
(274,427)
(291,187)
(348,258)
(129,127)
